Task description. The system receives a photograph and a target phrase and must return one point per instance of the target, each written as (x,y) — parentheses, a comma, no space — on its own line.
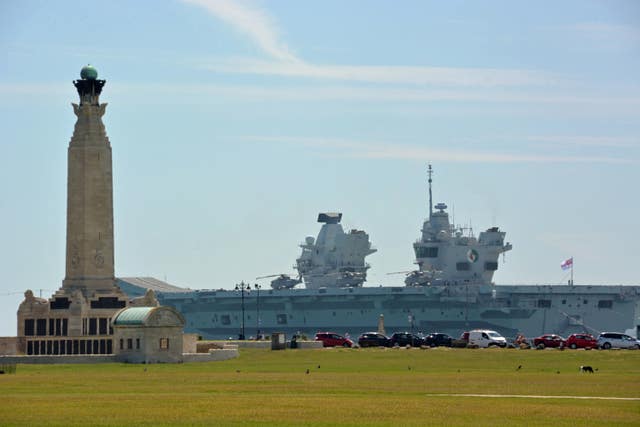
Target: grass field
(343,387)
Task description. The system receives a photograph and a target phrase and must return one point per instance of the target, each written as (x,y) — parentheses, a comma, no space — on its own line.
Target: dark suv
(437,339)
(373,339)
(406,338)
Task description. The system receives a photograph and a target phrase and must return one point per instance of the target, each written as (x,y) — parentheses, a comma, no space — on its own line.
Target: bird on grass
(307,371)
(519,367)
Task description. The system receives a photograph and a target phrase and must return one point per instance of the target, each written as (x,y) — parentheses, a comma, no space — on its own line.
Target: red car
(581,341)
(549,340)
(331,339)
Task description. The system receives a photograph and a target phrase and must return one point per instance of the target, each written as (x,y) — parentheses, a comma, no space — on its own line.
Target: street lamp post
(242,288)
(257,287)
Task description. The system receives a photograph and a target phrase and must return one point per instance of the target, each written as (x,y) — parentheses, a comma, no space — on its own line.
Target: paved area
(533,396)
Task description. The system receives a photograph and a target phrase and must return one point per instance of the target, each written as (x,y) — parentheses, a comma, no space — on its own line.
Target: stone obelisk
(90,259)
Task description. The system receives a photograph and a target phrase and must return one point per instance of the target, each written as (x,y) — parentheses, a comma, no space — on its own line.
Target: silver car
(609,340)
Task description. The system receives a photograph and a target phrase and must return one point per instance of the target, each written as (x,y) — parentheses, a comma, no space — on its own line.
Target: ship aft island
(451,291)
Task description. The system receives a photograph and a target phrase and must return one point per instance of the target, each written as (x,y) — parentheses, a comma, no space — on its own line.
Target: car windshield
(494,335)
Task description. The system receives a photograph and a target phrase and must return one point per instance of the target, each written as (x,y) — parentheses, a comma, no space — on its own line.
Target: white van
(486,338)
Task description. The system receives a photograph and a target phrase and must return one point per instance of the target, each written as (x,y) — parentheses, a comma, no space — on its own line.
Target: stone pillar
(89,255)
(381,325)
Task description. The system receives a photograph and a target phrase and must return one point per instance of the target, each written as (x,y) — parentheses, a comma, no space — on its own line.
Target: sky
(234,123)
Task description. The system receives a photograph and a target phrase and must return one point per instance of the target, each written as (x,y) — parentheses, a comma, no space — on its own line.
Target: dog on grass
(586,368)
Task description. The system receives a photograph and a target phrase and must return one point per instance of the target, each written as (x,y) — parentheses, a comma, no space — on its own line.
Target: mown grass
(343,387)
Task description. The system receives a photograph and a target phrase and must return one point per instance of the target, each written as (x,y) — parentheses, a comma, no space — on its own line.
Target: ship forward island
(451,291)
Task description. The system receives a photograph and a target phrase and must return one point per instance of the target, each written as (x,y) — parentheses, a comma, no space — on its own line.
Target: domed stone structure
(148,335)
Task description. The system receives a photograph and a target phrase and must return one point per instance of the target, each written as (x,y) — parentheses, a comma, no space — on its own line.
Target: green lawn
(343,387)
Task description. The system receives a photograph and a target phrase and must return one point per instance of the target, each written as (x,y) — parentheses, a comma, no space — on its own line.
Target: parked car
(331,339)
(406,338)
(373,339)
(609,340)
(437,339)
(486,338)
(549,340)
(581,341)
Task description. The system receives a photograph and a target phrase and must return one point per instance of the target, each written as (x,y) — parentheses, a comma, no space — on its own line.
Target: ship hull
(452,309)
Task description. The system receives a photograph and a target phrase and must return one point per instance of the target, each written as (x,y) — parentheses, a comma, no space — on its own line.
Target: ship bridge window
(490,266)
(605,303)
(463,266)
(544,303)
(426,252)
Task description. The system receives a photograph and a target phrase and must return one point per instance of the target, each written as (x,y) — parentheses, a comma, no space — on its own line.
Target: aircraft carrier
(451,291)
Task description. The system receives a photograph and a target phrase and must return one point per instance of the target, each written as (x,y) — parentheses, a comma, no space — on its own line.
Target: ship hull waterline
(508,309)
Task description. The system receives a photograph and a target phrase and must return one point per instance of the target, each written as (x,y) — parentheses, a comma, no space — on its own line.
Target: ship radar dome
(88,72)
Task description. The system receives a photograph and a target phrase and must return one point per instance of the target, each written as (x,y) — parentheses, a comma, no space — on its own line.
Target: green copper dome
(133,316)
(88,72)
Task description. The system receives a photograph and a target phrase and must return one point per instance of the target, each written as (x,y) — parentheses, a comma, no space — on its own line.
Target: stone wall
(204,346)
(55,360)
(211,356)
(189,343)
(11,346)
(308,345)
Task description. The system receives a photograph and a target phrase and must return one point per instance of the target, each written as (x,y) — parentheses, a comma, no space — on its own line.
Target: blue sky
(234,123)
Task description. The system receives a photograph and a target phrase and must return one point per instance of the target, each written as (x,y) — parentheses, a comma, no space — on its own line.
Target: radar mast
(430,172)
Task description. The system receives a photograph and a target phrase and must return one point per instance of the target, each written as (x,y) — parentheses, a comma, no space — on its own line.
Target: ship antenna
(430,172)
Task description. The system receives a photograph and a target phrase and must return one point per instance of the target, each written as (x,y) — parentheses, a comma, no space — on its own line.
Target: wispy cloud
(602,36)
(252,22)
(588,141)
(262,30)
(385,150)
(32,89)
(408,75)
(607,32)
(417,100)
